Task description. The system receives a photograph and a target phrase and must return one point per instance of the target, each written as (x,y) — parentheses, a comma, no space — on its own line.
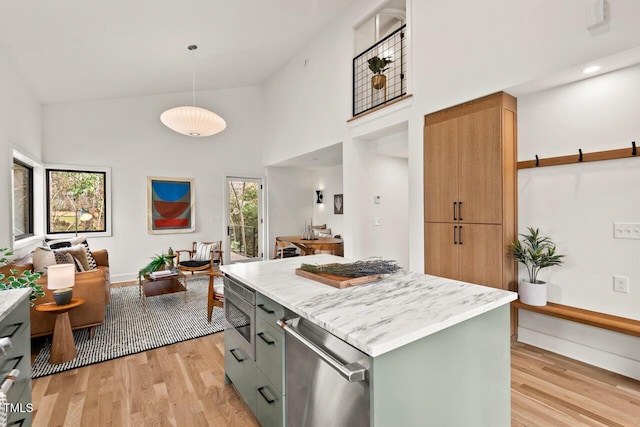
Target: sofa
(93,285)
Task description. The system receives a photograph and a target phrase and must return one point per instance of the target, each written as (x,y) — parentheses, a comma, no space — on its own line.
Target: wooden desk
(308,247)
(63,347)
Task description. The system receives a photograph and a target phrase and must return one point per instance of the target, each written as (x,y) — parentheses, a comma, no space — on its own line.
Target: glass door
(244,219)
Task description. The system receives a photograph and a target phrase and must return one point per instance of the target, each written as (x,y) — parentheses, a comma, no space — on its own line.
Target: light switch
(626,230)
(376,199)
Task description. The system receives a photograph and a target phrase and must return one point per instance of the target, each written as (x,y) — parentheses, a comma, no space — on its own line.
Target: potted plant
(26,279)
(535,252)
(158,262)
(378,66)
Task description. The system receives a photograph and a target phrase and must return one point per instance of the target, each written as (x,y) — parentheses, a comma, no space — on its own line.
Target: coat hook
(580,151)
(537,161)
(633,149)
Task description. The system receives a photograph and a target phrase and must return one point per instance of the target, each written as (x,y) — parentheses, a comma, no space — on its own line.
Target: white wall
(21,129)
(290,201)
(126,134)
(577,205)
(459,50)
(329,180)
(383,227)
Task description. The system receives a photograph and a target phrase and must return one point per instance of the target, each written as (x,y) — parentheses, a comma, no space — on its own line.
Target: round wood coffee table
(63,347)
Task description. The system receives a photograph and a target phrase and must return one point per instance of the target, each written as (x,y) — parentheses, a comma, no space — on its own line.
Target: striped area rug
(128,329)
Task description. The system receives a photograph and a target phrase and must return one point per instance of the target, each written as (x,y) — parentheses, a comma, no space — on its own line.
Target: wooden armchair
(284,250)
(203,256)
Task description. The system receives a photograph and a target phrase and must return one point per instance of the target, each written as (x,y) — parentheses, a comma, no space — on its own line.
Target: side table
(63,347)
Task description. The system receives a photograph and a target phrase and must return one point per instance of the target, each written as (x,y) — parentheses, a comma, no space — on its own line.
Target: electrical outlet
(621,284)
(626,230)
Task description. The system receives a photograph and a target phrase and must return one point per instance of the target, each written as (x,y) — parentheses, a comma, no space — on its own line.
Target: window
(22,178)
(76,201)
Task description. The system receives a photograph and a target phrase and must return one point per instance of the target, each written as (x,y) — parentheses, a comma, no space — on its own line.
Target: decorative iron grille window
(76,201)
(22,177)
(379,73)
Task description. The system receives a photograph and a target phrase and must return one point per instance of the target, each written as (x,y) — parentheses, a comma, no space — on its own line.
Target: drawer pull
(266,310)
(233,353)
(267,340)
(265,397)
(9,380)
(5,345)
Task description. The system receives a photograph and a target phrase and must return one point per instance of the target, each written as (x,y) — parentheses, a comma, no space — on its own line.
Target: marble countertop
(376,317)
(9,299)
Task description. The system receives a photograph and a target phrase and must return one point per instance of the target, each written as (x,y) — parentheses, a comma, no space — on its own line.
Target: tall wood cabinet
(470,189)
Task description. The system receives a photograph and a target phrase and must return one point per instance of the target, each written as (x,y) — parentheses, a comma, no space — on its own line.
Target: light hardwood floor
(183,385)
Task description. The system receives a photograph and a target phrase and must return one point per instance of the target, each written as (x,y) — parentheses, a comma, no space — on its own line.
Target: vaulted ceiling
(76,50)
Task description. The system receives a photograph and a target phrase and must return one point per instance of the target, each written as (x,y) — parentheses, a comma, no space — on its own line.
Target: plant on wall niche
(378,66)
(26,279)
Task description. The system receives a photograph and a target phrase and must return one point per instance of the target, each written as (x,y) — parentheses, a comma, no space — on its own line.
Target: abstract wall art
(170,205)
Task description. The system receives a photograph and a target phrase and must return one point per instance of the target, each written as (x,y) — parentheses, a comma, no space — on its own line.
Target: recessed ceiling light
(591,69)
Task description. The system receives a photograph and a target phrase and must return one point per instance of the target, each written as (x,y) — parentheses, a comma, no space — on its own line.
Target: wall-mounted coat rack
(581,157)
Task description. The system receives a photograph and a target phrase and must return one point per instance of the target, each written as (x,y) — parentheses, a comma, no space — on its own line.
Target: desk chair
(284,250)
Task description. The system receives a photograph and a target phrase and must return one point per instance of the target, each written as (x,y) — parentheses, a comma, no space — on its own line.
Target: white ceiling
(322,158)
(76,50)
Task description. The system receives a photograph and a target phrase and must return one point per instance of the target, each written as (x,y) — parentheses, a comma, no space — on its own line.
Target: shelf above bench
(592,318)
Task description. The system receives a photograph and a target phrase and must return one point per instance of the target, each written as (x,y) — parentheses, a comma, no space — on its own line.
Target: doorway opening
(244,219)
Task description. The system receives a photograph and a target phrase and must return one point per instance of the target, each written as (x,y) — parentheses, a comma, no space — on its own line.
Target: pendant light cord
(192,48)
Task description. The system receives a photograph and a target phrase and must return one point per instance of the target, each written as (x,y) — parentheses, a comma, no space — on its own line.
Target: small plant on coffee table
(158,262)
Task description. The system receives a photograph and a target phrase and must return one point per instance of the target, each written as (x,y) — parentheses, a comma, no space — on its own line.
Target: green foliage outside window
(74,194)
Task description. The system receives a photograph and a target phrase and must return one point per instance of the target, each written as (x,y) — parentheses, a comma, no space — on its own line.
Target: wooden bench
(591,318)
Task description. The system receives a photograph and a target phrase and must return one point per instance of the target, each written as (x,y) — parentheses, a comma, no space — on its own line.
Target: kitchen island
(15,353)
(438,349)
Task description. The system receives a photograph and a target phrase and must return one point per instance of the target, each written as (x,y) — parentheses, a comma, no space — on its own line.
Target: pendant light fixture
(192,120)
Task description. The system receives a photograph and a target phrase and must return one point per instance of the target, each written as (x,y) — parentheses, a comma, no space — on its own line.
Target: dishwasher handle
(353,372)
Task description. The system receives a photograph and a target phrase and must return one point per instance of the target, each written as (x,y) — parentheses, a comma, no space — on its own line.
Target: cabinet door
(481,254)
(480,163)
(240,369)
(440,170)
(270,404)
(270,353)
(441,256)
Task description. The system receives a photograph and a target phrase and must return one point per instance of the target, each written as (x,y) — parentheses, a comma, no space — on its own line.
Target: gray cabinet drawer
(16,322)
(21,416)
(270,404)
(16,327)
(240,369)
(270,353)
(268,309)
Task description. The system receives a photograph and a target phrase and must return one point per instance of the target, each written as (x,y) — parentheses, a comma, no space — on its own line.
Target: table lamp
(61,279)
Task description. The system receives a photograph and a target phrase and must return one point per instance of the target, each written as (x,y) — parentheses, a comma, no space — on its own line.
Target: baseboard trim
(604,359)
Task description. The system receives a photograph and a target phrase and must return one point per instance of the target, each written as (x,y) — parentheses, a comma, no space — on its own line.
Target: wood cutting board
(337,281)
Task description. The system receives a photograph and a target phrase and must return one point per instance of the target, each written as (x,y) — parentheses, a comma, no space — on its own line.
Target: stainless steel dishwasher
(327,379)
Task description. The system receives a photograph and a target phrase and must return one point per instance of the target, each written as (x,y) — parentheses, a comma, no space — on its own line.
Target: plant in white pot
(535,252)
